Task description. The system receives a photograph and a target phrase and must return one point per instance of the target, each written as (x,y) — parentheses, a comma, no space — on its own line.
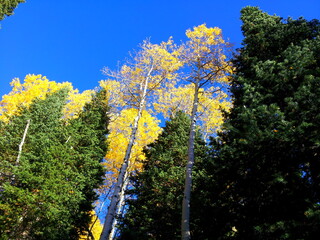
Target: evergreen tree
(155,205)
(48,193)
(7,7)
(266,179)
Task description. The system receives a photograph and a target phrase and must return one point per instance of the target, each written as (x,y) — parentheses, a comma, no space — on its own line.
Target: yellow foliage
(38,86)
(95,227)
(210,110)
(181,99)
(161,57)
(175,99)
(205,65)
(75,102)
(118,138)
(114,93)
(204,51)
(152,67)
(205,36)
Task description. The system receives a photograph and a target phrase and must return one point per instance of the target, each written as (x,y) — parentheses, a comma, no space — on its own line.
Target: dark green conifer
(266,178)
(48,194)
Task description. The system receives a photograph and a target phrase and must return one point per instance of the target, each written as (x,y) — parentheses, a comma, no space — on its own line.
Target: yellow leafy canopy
(181,99)
(118,138)
(38,86)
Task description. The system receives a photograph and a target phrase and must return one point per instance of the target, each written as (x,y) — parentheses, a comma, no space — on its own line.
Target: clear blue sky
(69,40)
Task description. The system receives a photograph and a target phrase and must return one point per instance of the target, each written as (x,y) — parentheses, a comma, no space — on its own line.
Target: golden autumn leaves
(38,86)
(120,129)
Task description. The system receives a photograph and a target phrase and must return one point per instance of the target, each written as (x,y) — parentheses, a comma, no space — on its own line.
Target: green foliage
(7,7)
(49,193)
(266,176)
(155,204)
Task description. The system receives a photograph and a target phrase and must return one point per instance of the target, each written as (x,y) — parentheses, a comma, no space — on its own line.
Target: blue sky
(68,40)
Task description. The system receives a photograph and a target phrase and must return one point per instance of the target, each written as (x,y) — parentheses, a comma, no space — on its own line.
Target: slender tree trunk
(120,206)
(185,220)
(22,142)
(107,227)
(20,149)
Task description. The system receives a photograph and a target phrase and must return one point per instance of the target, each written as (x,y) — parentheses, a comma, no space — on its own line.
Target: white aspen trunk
(20,148)
(120,206)
(185,219)
(22,142)
(107,227)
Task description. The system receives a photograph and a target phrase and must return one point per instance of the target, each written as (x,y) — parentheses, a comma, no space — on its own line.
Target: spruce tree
(48,193)
(154,206)
(266,178)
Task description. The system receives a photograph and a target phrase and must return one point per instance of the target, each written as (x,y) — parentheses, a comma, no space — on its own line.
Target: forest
(185,140)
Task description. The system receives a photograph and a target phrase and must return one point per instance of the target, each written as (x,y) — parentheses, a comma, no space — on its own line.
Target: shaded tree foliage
(265,181)
(49,193)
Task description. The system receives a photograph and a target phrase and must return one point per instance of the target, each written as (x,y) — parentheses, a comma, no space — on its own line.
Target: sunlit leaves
(202,35)
(75,102)
(151,68)
(211,104)
(118,139)
(95,228)
(205,54)
(154,66)
(38,86)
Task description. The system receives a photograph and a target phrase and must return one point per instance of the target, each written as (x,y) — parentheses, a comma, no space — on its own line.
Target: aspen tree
(206,65)
(152,68)
(118,139)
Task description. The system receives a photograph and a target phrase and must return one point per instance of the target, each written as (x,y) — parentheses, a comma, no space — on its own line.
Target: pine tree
(48,193)
(155,204)
(266,177)
(7,7)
